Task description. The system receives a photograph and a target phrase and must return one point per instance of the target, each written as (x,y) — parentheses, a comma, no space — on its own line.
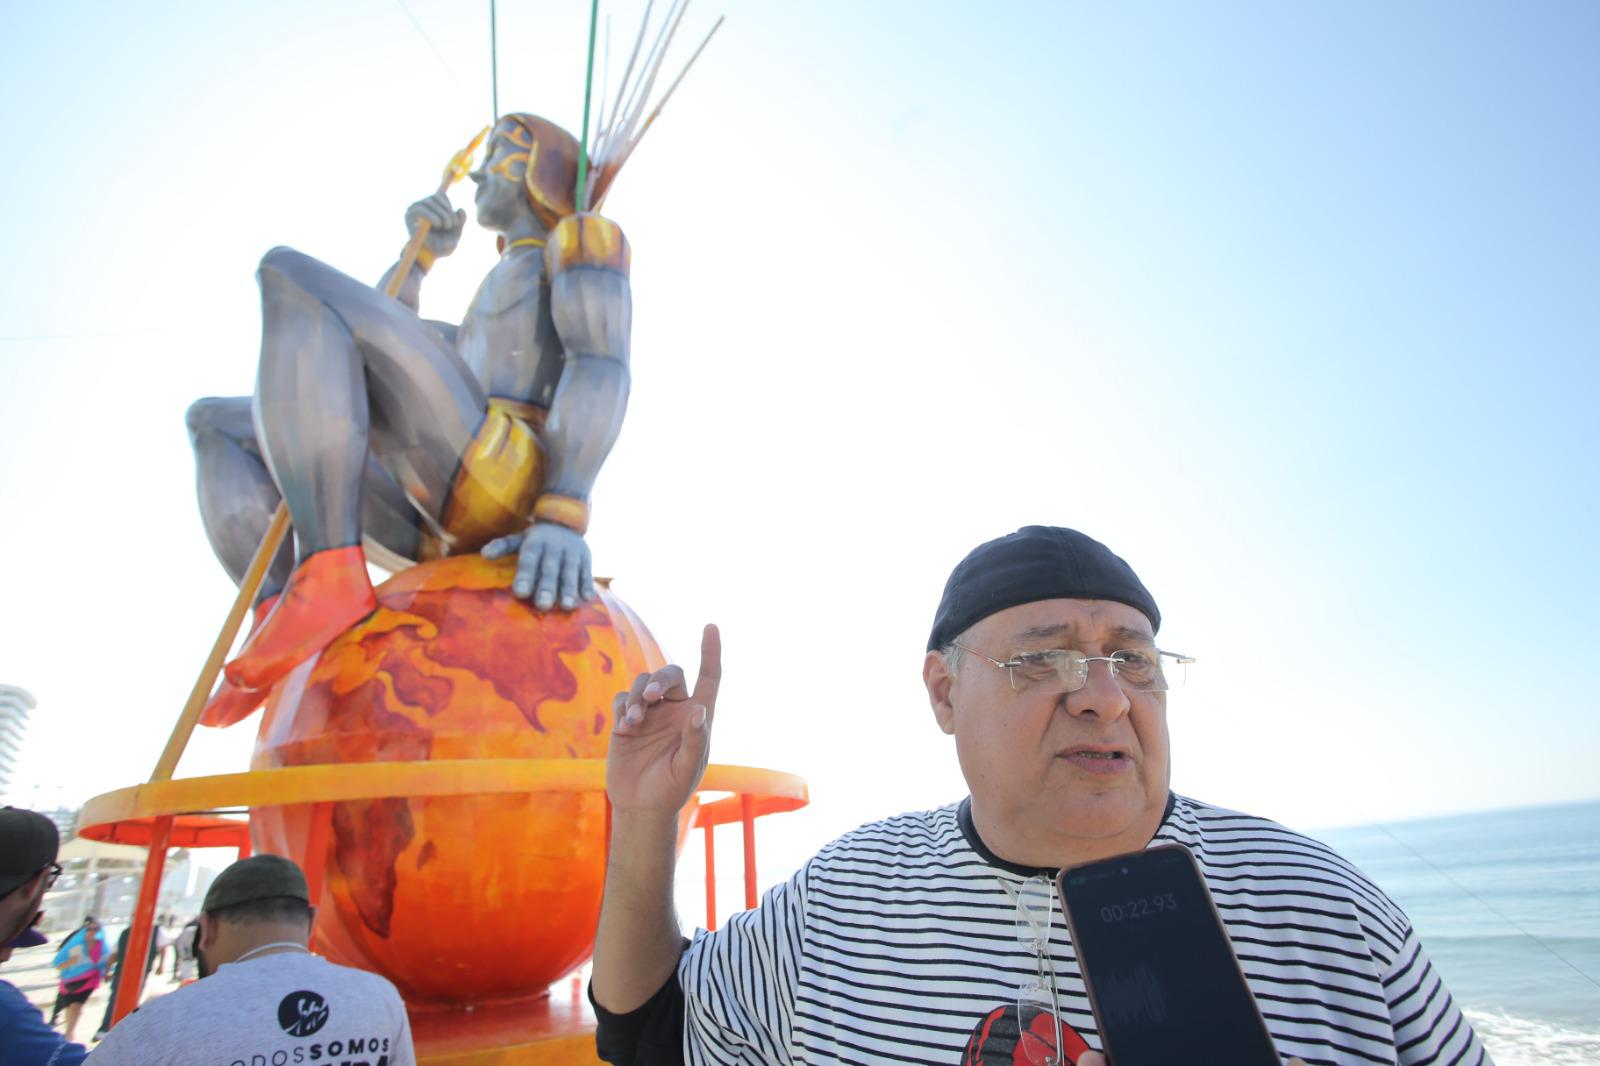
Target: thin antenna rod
(652,63)
(674,86)
(494,67)
(631,132)
(622,86)
(605,80)
(622,126)
(578,196)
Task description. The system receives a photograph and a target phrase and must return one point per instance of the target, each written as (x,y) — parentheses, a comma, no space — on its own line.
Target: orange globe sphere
(457,899)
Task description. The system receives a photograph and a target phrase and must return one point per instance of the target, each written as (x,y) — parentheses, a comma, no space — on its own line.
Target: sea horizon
(1410,819)
(1506,901)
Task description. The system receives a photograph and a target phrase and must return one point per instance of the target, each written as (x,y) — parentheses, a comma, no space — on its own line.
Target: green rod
(588,89)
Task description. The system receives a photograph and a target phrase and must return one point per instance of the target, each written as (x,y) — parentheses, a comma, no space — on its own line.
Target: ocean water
(1507,904)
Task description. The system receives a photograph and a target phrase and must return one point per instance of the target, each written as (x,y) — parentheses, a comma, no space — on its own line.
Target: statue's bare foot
(326,595)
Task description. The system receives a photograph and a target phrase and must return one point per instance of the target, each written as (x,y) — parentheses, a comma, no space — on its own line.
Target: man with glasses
(28,845)
(935,937)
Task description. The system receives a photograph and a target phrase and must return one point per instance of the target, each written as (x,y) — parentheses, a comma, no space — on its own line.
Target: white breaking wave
(1514,1041)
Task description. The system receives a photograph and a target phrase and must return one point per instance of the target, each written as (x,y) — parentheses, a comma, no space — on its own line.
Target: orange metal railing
(168,813)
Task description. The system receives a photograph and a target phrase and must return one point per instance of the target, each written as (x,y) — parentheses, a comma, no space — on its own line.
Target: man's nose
(477,176)
(1100,695)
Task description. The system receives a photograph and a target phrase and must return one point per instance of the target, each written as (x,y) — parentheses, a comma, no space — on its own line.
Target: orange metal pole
(244,847)
(144,915)
(747,814)
(711,876)
(317,849)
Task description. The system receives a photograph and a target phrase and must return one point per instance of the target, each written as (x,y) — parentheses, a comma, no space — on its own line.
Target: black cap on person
(28,843)
(258,877)
(1035,563)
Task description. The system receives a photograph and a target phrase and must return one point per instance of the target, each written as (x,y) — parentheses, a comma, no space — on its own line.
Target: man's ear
(937,677)
(208,932)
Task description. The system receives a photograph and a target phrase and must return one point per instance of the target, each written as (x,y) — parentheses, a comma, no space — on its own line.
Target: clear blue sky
(1293,305)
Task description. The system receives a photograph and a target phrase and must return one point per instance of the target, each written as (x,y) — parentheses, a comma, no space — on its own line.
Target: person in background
(118,964)
(82,962)
(165,936)
(184,966)
(262,996)
(28,845)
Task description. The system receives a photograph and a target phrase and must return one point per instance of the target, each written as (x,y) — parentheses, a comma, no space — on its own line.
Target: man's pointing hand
(661,735)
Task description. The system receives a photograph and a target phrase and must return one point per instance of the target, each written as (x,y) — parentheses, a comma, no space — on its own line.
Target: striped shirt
(898,943)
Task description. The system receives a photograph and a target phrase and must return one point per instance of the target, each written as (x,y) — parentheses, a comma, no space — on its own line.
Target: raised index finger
(705,685)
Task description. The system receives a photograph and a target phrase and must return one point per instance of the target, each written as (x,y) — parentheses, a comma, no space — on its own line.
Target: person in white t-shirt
(184,967)
(263,997)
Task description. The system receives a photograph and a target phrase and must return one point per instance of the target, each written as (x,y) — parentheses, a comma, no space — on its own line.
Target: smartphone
(1163,981)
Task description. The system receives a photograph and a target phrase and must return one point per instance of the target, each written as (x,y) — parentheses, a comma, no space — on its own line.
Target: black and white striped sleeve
(739,982)
(1428,1026)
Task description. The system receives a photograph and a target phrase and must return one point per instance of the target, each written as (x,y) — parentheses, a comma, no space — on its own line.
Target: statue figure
(399,439)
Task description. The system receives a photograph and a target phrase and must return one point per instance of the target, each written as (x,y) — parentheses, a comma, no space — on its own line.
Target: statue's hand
(552,564)
(444,222)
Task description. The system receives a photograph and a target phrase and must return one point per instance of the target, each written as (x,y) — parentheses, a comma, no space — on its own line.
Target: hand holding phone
(1162,978)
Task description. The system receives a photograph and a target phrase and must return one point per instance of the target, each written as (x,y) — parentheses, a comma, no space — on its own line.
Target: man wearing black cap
(28,845)
(899,942)
(263,997)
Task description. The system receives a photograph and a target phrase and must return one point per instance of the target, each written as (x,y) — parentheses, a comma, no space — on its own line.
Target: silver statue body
(365,416)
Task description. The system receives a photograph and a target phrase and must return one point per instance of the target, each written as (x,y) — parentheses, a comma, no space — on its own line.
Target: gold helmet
(548,156)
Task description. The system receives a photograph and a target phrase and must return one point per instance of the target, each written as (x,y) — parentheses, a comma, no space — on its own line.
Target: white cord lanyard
(275,944)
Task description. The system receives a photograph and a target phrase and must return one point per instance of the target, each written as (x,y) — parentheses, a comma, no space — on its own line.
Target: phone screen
(1161,973)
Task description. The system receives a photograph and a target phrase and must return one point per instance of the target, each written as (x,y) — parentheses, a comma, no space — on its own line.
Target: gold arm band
(563,511)
(425,258)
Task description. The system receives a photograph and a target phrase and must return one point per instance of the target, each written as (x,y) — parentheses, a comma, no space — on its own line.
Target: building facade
(15,703)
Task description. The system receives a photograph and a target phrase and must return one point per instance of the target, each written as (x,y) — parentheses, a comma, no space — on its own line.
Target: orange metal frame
(158,814)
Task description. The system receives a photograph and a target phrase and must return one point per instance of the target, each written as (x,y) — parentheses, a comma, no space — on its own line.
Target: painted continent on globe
(458,899)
